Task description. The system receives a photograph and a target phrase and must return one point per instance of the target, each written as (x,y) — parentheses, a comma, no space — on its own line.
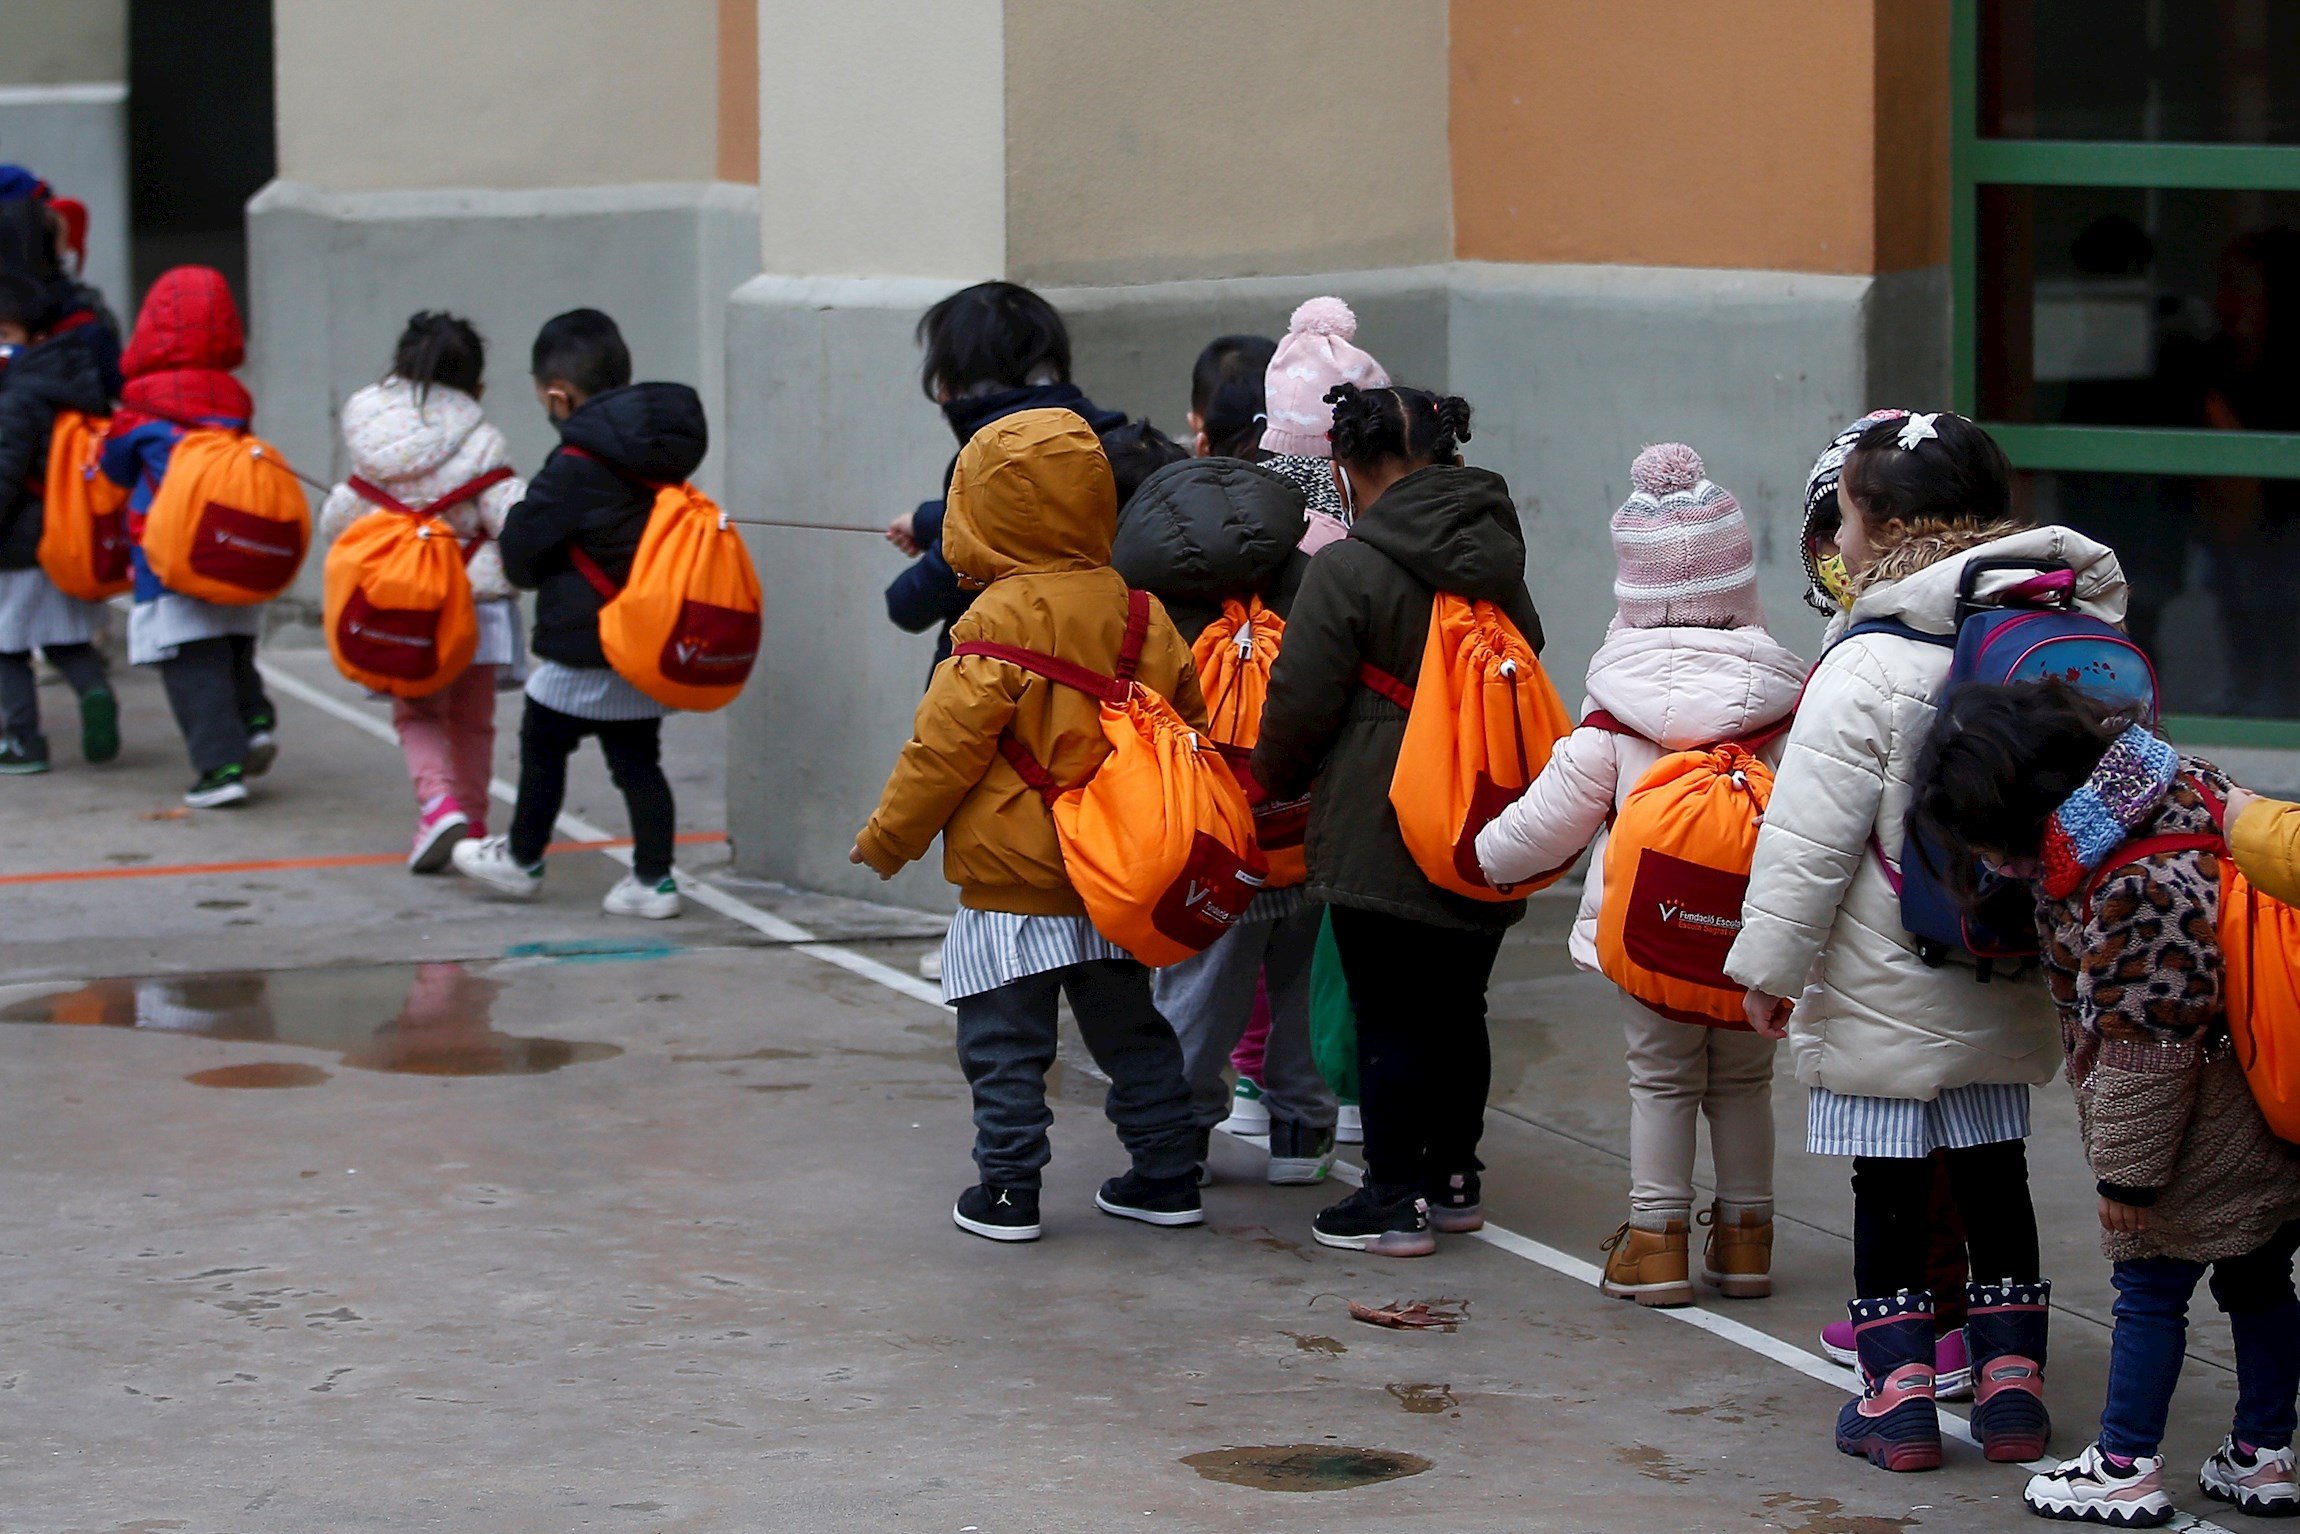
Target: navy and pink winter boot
(2005,1329)
(1893,1423)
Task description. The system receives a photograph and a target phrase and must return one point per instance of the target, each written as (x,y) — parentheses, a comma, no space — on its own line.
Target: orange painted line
(284,865)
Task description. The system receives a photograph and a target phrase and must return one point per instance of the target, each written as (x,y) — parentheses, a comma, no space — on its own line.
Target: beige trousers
(1677,1073)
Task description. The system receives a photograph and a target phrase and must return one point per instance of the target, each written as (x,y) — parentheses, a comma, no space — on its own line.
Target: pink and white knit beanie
(1315,355)
(1681,548)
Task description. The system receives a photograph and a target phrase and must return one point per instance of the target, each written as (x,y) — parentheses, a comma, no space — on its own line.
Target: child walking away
(1902,1057)
(582,518)
(2123,835)
(1687,692)
(1216,541)
(418,438)
(47,375)
(1316,356)
(1032,511)
(179,361)
(1425,525)
(991,350)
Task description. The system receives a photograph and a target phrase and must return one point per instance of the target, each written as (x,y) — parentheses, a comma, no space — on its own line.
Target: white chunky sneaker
(2260,1483)
(655,902)
(2091,1489)
(489,860)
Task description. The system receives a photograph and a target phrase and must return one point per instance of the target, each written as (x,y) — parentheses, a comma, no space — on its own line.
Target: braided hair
(440,348)
(1391,423)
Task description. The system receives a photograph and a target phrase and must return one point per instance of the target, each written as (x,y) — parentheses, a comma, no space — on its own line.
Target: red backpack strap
(588,568)
(464,491)
(1374,679)
(1052,667)
(1757,740)
(1599,719)
(612,467)
(1028,767)
(376,495)
(1137,631)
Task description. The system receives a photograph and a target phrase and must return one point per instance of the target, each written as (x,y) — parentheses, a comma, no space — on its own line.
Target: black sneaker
(1299,1155)
(1364,1222)
(21,758)
(998,1214)
(220,789)
(1456,1204)
(263,746)
(1153,1200)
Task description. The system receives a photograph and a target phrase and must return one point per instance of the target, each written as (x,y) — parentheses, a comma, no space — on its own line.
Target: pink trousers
(449,740)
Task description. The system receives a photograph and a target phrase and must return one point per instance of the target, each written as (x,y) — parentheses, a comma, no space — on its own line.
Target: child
(991,350)
(45,375)
(617,441)
(1198,534)
(2043,781)
(418,436)
(1901,1057)
(2264,838)
(1423,524)
(1687,663)
(1227,409)
(188,339)
(1032,510)
(1315,357)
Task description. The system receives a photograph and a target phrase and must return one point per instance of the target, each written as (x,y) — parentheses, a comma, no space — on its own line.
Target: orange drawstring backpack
(1481,720)
(1676,871)
(229,524)
(1158,842)
(1233,657)
(684,627)
(398,613)
(84,541)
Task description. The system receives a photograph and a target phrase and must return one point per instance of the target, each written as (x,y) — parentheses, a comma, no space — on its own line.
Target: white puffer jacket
(1822,921)
(1677,688)
(419,450)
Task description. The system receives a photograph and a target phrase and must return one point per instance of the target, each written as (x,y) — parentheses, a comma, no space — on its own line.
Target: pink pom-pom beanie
(1681,548)
(1315,355)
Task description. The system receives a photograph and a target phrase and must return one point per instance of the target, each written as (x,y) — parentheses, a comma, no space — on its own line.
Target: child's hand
(900,534)
(2122,1219)
(855,855)
(2239,800)
(1768,1014)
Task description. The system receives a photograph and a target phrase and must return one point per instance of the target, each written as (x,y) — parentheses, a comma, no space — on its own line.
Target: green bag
(1333,1026)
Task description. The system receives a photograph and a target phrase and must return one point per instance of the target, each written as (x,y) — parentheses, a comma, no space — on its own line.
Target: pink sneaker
(437,830)
(1952,1368)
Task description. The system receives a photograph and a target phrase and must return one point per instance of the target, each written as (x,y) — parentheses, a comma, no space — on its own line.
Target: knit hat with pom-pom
(1315,355)
(1681,548)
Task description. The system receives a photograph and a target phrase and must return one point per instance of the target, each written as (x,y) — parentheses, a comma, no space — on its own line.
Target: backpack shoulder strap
(376,495)
(1137,633)
(1374,679)
(1599,719)
(611,466)
(2141,848)
(587,567)
(465,491)
(1898,630)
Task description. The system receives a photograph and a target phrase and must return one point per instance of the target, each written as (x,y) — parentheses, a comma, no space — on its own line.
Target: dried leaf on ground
(1411,1316)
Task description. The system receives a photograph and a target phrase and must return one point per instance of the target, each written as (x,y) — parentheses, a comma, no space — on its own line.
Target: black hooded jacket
(1209,530)
(58,374)
(594,493)
(1367,599)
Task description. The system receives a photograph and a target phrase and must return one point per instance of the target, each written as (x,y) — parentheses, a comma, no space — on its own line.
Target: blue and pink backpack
(2027,633)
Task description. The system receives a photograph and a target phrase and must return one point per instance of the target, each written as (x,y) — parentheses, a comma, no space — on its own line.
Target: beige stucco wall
(882,140)
(496,93)
(1137,138)
(63,42)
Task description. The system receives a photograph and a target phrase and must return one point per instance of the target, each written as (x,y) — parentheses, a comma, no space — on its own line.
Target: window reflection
(2163,71)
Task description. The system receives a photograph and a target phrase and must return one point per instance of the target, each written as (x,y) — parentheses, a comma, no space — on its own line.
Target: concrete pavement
(549,1221)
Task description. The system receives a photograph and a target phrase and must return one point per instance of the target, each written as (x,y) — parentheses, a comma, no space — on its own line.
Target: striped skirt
(1983,1113)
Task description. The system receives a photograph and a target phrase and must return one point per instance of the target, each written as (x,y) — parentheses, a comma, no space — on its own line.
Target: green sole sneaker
(99,726)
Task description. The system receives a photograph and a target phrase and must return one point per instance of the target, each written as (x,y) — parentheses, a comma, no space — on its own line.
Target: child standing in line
(418,435)
(179,361)
(1227,410)
(46,374)
(2042,780)
(1900,1057)
(1686,664)
(1316,355)
(617,441)
(1031,514)
(1199,534)
(1416,957)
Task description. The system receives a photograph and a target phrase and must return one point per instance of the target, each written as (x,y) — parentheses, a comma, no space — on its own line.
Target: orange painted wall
(738,157)
(1694,133)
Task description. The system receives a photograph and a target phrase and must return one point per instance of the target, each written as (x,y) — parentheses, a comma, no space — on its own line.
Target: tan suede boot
(1649,1266)
(1737,1261)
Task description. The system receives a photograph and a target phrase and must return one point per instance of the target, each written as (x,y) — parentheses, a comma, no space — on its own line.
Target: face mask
(1836,580)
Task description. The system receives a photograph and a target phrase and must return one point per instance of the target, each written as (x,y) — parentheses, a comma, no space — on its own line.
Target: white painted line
(1541,1254)
(97,93)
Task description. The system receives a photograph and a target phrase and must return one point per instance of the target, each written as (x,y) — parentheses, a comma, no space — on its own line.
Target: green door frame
(1975,162)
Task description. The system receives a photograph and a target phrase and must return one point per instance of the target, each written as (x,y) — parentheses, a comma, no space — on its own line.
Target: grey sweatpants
(19,689)
(1006,1040)
(217,698)
(1209,998)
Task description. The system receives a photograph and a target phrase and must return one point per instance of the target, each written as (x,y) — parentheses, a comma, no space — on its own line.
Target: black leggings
(1893,1229)
(634,752)
(1424,1060)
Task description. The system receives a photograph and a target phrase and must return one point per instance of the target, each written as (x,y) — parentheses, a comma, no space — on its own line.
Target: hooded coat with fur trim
(420,444)
(1822,921)
(1032,510)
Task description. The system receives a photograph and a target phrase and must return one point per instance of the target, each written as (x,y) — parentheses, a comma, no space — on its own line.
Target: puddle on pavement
(262,1073)
(410,1019)
(1304,1466)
